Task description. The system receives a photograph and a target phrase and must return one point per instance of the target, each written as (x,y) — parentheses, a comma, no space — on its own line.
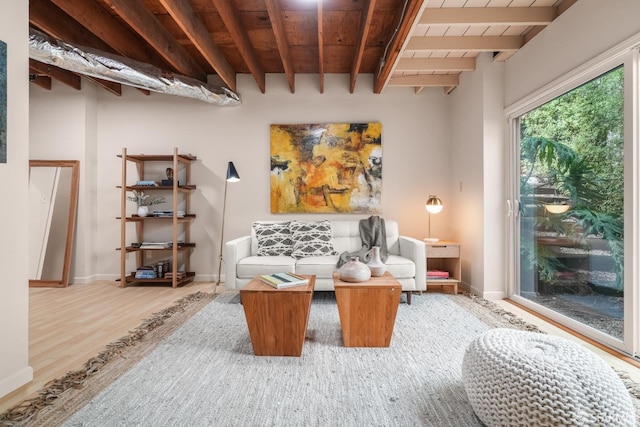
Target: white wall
(467,180)
(64,127)
(14,252)
(585,30)
(415,151)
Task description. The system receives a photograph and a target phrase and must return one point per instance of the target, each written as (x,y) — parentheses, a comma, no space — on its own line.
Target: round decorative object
(376,265)
(354,271)
(143,211)
(519,378)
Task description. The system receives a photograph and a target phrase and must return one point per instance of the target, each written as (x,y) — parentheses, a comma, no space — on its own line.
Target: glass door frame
(627,58)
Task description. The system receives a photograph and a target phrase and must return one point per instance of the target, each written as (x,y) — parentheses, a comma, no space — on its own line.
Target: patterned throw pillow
(273,238)
(311,239)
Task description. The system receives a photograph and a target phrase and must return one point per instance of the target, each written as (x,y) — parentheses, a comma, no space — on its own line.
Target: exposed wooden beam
(412,8)
(425,80)
(188,20)
(462,43)
(231,19)
(275,16)
(143,21)
(113,87)
(320,48)
(449,89)
(52,20)
(418,90)
(102,24)
(64,76)
(489,16)
(436,64)
(365,24)
(43,81)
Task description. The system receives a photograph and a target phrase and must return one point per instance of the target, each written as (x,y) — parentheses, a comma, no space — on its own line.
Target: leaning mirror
(53,202)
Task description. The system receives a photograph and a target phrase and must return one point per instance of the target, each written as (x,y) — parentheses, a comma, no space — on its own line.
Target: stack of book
(168,213)
(146,184)
(146,272)
(155,245)
(179,274)
(437,274)
(283,280)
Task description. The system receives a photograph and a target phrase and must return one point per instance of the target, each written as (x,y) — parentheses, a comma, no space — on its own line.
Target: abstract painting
(3,102)
(326,168)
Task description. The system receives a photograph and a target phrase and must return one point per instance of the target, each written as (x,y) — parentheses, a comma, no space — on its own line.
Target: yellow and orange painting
(326,168)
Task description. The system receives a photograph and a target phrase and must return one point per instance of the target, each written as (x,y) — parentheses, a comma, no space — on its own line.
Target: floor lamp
(433,206)
(232,176)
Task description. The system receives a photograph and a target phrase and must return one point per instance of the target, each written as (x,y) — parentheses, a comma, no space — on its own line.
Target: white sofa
(406,260)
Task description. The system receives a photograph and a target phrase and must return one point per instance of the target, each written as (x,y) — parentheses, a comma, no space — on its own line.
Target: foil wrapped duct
(103,65)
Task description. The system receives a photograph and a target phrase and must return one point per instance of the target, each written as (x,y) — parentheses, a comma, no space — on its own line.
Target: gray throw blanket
(372,233)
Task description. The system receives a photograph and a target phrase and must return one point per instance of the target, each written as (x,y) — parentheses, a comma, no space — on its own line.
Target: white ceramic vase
(376,265)
(354,271)
(143,211)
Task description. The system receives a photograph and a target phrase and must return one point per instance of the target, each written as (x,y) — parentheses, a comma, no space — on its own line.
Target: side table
(367,310)
(277,318)
(443,256)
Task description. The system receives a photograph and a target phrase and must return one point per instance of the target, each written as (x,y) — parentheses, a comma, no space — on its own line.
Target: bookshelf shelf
(172,224)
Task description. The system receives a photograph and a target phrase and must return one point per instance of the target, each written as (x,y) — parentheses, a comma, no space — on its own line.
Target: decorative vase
(354,271)
(143,210)
(376,265)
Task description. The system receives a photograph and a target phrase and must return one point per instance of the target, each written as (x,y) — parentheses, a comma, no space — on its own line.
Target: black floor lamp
(232,176)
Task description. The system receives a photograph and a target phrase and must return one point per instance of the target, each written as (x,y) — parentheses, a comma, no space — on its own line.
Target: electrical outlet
(148,254)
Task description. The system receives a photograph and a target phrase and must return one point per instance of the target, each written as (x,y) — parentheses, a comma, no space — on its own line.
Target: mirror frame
(71,221)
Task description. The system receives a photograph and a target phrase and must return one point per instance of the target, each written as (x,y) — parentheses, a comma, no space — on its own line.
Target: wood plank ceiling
(402,43)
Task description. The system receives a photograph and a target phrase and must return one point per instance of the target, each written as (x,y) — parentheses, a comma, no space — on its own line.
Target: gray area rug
(205,374)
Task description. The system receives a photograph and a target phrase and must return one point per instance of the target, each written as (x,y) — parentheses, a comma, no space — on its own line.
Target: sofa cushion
(273,238)
(400,267)
(322,266)
(311,239)
(252,266)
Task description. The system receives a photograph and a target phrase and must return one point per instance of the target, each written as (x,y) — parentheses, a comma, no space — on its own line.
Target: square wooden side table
(277,318)
(368,310)
(443,256)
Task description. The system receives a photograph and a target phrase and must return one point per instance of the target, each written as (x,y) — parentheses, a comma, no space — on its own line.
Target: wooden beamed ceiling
(414,43)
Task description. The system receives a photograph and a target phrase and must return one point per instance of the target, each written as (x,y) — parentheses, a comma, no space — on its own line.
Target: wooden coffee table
(367,310)
(277,318)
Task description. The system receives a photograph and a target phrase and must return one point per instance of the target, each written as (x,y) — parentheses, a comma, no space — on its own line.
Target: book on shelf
(155,245)
(146,184)
(179,275)
(283,280)
(437,274)
(168,213)
(146,272)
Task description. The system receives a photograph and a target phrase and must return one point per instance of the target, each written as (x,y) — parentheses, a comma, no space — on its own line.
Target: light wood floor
(69,325)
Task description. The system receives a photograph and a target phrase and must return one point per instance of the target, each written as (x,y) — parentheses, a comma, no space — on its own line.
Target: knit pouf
(518,378)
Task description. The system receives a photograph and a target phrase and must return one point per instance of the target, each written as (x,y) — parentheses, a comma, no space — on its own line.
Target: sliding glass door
(571,186)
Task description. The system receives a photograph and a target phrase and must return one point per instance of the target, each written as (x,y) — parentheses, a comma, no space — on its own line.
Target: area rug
(205,373)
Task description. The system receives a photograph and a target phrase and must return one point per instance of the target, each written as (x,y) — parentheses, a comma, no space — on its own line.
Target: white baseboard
(87,279)
(15,381)
(493,295)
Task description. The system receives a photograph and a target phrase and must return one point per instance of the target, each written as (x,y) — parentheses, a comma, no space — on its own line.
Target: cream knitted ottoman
(517,378)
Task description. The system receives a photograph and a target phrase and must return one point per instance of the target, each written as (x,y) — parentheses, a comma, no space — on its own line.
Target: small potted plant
(144,201)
